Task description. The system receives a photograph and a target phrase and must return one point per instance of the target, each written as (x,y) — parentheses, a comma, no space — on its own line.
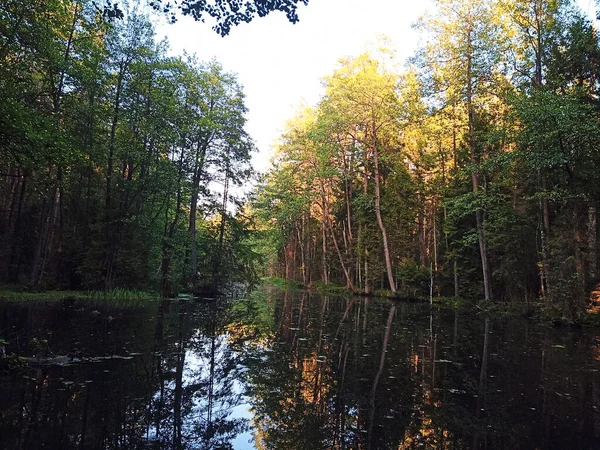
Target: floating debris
(457,391)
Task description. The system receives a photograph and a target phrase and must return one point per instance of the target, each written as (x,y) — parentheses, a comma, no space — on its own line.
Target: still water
(292,370)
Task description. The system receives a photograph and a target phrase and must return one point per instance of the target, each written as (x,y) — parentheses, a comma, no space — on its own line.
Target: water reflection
(291,370)
(162,376)
(367,374)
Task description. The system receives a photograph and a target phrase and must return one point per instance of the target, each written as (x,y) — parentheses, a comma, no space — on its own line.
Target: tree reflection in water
(320,385)
(294,370)
(196,399)
(168,381)
(371,374)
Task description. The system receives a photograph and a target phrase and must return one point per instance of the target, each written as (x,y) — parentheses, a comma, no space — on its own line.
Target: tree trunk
(198,170)
(327,220)
(592,249)
(324,252)
(45,240)
(544,234)
(108,242)
(421,229)
(479,215)
(59,275)
(386,251)
(545,285)
(223,214)
(47,222)
(348,178)
(219,256)
(456,291)
(578,307)
(16,238)
(435,241)
(169,234)
(349,284)
(302,256)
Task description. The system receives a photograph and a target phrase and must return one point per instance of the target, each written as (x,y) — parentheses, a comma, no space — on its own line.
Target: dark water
(292,371)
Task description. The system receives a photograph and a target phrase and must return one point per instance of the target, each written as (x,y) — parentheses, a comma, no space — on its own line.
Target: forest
(416,269)
(468,171)
(471,172)
(116,160)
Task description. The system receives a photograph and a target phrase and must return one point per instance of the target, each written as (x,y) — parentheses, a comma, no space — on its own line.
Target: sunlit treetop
(227,13)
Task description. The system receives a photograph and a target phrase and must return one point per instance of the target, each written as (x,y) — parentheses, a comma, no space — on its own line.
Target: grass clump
(385,293)
(120,296)
(282,283)
(330,288)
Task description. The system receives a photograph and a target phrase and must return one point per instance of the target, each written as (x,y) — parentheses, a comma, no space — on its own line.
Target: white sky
(280,65)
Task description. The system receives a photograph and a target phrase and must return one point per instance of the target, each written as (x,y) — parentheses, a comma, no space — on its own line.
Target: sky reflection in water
(292,370)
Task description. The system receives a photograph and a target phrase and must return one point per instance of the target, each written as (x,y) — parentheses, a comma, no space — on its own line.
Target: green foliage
(253,317)
(281,282)
(481,161)
(118,296)
(106,143)
(225,13)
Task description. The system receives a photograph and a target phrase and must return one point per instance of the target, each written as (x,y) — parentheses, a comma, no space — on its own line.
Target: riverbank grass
(114,295)
(282,283)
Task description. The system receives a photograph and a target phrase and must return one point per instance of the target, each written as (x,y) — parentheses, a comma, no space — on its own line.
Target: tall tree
(363,96)
(464,58)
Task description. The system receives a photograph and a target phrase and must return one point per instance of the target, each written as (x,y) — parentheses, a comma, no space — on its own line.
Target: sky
(281,64)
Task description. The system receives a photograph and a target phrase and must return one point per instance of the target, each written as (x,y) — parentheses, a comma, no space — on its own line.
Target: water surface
(292,370)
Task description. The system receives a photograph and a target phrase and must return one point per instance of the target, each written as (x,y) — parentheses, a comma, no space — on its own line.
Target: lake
(292,370)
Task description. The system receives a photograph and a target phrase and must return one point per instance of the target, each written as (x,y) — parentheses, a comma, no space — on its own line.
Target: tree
(228,14)
(363,97)
(464,60)
(342,169)
(102,150)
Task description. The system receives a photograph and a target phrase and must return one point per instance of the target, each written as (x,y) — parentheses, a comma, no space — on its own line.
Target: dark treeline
(117,161)
(473,173)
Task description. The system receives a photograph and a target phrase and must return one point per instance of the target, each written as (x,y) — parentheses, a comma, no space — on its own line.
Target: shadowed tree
(227,13)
